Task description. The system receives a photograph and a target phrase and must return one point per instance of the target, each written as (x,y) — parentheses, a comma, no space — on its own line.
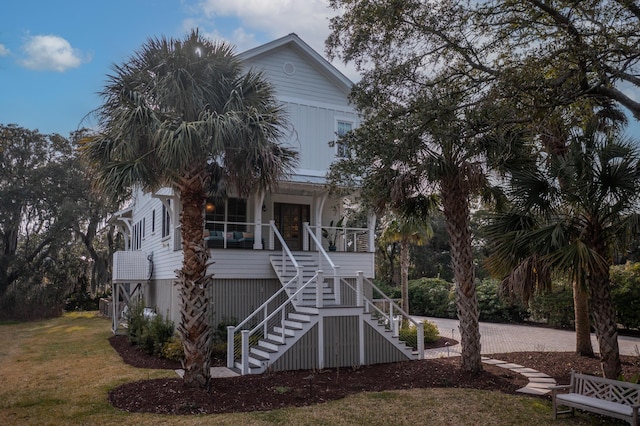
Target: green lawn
(59,372)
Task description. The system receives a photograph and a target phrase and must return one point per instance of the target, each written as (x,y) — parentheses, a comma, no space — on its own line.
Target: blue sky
(55,54)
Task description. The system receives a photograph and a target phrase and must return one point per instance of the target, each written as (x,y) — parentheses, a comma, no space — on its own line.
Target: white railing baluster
(282,319)
(319,284)
(359,288)
(336,286)
(265,314)
(420,340)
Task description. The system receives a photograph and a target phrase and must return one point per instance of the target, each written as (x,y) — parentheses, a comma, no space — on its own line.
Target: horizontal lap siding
(306,82)
(241,264)
(351,263)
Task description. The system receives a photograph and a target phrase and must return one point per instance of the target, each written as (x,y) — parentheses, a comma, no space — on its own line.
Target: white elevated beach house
(296,302)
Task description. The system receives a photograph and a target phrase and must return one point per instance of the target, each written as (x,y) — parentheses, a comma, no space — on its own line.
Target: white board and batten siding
(314,126)
(314,94)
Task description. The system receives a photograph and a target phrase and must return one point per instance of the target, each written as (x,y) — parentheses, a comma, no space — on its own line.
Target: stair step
(307,310)
(261,353)
(299,317)
(293,324)
(269,344)
(276,336)
(254,364)
(278,330)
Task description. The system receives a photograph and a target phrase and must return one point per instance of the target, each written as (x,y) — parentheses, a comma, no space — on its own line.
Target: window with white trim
(342,128)
(166,219)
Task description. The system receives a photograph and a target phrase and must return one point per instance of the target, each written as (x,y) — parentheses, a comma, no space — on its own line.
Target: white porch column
(371,224)
(257,217)
(319,207)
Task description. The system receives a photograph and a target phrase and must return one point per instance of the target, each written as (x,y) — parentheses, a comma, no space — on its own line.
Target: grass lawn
(59,372)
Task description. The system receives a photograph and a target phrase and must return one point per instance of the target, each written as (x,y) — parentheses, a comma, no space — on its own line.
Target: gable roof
(314,58)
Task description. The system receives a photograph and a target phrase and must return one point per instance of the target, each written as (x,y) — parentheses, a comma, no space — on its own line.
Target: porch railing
(386,311)
(354,240)
(325,260)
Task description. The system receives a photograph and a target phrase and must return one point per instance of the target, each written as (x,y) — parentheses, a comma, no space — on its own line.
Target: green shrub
(173,349)
(432,297)
(158,331)
(625,294)
(409,334)
(150,333)
(494,308)
(554,308)
(136,322)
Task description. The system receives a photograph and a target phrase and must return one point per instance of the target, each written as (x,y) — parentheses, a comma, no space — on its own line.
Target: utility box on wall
(131,266)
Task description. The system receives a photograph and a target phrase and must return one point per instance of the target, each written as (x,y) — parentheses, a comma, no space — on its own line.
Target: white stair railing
(272,313)
(386,311)
(322,255)
(264,328)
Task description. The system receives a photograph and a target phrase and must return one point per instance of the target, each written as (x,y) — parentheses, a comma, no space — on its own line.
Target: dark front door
(289,219)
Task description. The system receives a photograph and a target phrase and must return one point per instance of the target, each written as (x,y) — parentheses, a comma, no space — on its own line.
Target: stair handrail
(279,308)
(285,248)
(321,250)
(244,348)
(265,304)
(231,330)
(389,317)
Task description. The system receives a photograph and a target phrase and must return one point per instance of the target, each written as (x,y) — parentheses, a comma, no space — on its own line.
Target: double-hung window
(342,128)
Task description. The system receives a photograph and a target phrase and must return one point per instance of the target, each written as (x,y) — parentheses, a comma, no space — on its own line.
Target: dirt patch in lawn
(275,390)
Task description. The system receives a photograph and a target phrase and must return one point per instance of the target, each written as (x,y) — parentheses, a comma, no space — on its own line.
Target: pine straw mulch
(275,390)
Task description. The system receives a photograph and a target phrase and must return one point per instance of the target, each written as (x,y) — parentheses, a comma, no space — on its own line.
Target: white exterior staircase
(263,337)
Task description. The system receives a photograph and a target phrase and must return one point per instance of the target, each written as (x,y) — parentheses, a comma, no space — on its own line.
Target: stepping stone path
(539,383)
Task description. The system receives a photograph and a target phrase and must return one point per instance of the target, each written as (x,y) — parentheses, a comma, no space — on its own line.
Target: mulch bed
(275,390)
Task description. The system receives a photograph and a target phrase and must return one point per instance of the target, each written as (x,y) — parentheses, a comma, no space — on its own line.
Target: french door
(289,219)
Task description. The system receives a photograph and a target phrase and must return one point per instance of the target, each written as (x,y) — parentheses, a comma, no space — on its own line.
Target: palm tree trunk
(604,318)
(193,281)
(456,212)
(583,326)
(605,325)
(404,273)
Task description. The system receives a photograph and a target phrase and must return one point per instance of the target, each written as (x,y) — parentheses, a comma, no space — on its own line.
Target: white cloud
(50,53)
(3,50)
(274,18)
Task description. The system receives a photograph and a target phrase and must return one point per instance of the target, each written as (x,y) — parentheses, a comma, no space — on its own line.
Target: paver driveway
(503,338)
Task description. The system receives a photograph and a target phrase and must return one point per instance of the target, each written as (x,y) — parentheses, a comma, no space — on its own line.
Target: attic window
(289,68)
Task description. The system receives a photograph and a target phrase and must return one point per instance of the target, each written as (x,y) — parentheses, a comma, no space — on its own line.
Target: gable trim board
(296,43)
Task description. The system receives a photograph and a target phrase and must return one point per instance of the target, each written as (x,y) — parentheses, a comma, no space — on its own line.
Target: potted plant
(331,234)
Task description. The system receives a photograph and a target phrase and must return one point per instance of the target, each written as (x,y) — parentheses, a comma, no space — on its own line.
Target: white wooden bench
(603,396)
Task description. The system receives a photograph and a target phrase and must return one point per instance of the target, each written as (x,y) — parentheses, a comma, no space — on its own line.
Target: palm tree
(574,210)
(183,114)
(436,143)
(408,228)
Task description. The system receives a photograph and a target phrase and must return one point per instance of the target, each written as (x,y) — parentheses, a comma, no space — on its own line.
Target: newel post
(230,346)
(245,352)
